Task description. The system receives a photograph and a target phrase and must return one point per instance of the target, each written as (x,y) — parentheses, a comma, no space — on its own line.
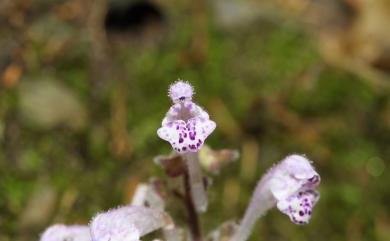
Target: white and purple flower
(127,223)
(186,125)
(290,185)
(61,232)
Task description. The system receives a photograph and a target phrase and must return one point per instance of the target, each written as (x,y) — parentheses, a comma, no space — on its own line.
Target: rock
(48,104)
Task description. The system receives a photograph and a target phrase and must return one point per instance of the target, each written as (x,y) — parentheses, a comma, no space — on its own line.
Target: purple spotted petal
(187,136)
(186,125)
(299,205)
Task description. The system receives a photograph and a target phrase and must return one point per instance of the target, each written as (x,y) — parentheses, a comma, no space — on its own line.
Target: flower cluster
(290,186)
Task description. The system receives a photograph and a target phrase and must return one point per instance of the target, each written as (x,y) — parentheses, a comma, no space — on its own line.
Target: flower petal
(126,223)
(299,205)
(173,133)
(282,187)
(187,136)
(172,114)
(292,174)
(60,232)
(300,167)
(184,111)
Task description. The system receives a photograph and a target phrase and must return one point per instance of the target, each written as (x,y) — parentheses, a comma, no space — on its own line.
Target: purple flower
(186,125)
(127,223)
(290,185)
(61,232)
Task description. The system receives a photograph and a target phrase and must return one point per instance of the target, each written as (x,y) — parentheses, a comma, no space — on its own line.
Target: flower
(290,185)
(127,223)
(186,125)
(60,232)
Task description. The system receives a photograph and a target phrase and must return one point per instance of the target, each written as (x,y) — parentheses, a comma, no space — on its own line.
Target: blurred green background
(83,89)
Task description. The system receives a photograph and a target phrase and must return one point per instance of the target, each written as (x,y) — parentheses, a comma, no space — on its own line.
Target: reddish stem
(193,218)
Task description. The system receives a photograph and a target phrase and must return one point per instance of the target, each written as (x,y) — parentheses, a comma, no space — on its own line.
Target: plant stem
(193,218)
(260,203)
(198,191)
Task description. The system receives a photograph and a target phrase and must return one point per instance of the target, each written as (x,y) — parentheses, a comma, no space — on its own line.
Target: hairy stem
(198,191)
(193,218)
(260,203)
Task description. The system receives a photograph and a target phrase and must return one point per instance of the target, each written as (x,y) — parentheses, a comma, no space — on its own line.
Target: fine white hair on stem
(198,192)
